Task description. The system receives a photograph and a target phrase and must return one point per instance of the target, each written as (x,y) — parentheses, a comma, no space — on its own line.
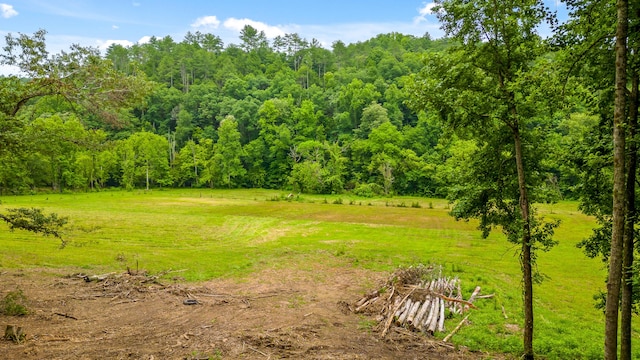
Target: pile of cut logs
(418,298)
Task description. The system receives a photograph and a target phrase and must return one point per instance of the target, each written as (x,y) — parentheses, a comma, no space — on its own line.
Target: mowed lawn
(232,233)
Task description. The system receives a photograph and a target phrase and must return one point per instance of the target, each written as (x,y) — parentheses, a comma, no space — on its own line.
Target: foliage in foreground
(36,221)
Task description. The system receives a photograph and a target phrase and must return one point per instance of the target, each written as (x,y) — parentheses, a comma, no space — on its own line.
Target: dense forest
(283,114)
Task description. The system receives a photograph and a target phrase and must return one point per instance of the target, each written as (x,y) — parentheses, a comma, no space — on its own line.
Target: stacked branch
(419,299)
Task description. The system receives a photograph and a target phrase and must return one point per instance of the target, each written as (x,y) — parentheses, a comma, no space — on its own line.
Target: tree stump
(14,333)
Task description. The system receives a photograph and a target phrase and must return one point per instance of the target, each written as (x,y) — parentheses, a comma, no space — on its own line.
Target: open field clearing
(269,275)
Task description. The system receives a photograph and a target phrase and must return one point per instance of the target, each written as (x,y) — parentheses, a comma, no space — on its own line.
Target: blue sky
(99,23)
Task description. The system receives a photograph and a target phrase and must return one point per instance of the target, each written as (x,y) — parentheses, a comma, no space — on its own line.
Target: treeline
(286,113)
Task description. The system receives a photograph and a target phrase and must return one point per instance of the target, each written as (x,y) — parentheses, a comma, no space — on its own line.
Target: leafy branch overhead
(36,221)
(80,76)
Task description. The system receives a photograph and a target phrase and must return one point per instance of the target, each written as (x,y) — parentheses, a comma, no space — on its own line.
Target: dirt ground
(275,314)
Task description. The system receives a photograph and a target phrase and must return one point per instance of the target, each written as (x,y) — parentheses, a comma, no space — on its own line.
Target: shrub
(368,190)
(14,304)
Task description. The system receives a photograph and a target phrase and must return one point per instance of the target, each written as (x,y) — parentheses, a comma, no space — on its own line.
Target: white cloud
(104,45)
(115,27)
(238,24)
(144,39)
(135,3)
(7,11)
(426,9)
(207,22)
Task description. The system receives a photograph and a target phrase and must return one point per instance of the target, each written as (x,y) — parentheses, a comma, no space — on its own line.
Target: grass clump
(14,304)
(367,324)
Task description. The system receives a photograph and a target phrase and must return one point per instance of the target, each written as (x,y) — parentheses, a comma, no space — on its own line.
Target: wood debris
(419,299)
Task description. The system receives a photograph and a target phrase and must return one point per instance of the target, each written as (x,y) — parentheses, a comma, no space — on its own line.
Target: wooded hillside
(286,113)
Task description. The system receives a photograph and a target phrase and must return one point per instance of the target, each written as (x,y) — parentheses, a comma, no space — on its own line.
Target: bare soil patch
(274,314)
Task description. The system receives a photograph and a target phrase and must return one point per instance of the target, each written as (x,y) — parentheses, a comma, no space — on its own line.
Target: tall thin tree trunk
(527,273)
(627,261)
(147,176)
(195,162)
(92,172)
(617,230)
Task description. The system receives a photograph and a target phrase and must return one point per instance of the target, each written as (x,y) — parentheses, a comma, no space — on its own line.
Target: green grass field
(232,233)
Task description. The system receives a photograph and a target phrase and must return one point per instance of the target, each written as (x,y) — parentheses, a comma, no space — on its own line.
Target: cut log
(397,301)
(412,312)
(366,303)
(393,290)
(390,315)
(421,313)
(427,321)
(488,296)
(455,330)
(405,313)
(438,287)
(458,308)
(398,313)
(361,301)
(475,293)
(367,297)
(401,311)
(431,326)
(101,277)
(440,327)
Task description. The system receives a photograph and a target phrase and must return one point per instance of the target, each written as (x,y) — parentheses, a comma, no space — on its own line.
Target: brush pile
(417,298)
